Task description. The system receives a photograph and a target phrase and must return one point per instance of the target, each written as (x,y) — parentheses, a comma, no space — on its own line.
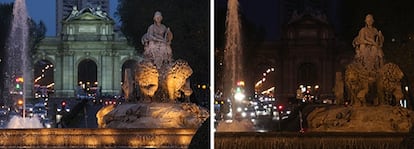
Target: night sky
(45,10)
(345,16)
(263,13)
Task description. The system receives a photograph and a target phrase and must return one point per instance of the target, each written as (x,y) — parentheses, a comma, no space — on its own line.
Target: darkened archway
(87,78)
(307,74)
(43,78)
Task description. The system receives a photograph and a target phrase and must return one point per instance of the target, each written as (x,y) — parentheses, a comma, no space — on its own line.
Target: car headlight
(252,114)
(243,114)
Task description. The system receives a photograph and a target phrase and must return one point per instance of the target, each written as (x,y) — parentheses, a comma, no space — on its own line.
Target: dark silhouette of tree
(6,10)
(37,33)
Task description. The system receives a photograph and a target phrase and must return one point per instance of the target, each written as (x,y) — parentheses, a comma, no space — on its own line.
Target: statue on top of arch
(97,12)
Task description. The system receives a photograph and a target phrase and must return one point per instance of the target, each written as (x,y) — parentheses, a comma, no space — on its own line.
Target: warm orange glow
(19,79)
(240,83)
(98,138)
(20,102)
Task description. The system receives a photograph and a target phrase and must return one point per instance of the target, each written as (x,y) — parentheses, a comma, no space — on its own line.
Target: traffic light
(279,107)
(63,104)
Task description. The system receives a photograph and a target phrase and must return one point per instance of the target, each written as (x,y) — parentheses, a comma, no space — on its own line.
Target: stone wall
(96,138)
(295,140)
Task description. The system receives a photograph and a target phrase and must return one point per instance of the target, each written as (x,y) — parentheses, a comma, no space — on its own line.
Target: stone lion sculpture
(357,83)
(176,80)
(147,78)
(101,113)
(389,83)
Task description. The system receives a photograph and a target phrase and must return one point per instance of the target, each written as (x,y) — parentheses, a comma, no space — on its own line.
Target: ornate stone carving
(356,80)
(100,13)
(172,75)
(160,79)
(368,72)
(368,45)
(157,42)
(176,80)
(147,77)
(74,13)
(369,82)
(389,84)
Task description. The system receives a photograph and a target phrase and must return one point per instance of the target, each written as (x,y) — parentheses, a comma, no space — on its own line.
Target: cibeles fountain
(374,117)
(374,88)
(167,123)
(161,80)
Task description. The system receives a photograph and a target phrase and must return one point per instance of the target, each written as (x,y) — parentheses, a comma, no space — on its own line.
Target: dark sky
(266,13)
(263,13)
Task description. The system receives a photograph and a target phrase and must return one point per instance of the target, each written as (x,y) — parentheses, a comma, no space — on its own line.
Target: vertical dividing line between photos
(211,74)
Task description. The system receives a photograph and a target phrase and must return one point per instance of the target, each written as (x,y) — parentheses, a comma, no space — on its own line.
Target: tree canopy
(6,10)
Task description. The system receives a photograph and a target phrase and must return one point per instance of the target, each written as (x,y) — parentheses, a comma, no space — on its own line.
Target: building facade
(308,54)
(86,36)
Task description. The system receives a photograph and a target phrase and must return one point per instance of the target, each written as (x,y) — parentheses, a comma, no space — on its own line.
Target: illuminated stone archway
(86,36)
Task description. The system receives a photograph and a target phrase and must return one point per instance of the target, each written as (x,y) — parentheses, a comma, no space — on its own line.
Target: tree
(37,33)
(6,11)
(189,21)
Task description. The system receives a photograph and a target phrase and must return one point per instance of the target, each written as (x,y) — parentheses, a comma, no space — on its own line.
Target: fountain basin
(96,138)
(311,140)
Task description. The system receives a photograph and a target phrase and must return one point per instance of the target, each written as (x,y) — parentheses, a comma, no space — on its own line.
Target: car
(41,113)
(110,102)
(29,110)
(63,107)
(47,123)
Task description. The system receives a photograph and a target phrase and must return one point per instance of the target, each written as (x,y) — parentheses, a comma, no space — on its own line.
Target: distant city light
(240,83)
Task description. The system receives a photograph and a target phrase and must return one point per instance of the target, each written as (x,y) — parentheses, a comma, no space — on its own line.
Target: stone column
(108,69)
(68,67)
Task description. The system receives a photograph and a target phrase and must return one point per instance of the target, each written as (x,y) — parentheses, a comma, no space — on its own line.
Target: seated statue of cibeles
(157,42)
(368,45)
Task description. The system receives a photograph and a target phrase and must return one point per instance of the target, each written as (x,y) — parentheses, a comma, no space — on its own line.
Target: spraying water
(233,49)
(233,66)
(18,60)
